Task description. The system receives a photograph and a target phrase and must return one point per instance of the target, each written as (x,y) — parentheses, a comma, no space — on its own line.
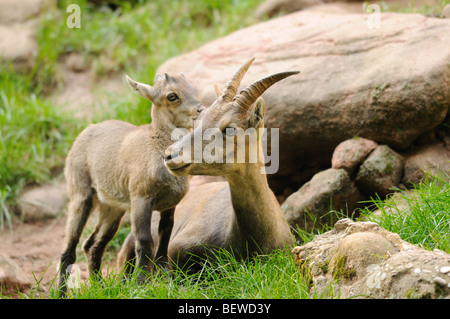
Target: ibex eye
(172,97)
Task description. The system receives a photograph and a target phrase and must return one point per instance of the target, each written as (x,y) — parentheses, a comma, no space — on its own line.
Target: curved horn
(167,76)
(233,85)
(249,95)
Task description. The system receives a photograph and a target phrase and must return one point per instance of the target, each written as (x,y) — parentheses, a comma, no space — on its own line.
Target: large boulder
(363,260)
(387,84)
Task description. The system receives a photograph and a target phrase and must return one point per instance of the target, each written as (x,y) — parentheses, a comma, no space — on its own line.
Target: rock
(363,260)
(13,11)
(329,189)
(446,12)
(397,204)
(388,85)
(12,278)
(18,25)
(351,153)
(76,62)
(433,159)
(81,93)
(339,7)
(382,170)
(271,8)
(18,45)
(358,251)
(42,202)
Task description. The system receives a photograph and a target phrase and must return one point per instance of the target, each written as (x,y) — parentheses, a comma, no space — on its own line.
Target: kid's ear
(257,113)
(142,89)
(157,78)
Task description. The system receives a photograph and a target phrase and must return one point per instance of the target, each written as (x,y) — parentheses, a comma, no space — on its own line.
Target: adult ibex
(242,214)
(118,167)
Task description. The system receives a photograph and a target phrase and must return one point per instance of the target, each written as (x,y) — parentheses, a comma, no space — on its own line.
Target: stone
(13,11)
(397,203)
(426,159)
(329,189)
(42,202)
(351,153)
(354,80)
(76,62)
(363,260)
(271,8)
(382,170)
(446,12)
(18,24)
(445,269)
(358,251)
(12,278)
(18,46)
(440,281)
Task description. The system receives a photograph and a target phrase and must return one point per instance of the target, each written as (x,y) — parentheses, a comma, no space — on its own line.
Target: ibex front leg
(141,216)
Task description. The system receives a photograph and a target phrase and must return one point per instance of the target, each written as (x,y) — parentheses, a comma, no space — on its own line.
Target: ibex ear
(158,77)
(257,113)
(144,90)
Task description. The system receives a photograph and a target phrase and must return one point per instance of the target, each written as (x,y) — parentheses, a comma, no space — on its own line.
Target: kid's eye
(172,97)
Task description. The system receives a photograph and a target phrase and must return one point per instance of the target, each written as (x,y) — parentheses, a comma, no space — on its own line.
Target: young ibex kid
(116,167)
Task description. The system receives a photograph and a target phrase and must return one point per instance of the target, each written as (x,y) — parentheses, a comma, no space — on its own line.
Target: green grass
(272,276)
(420,216)
(432,8)
(34,138)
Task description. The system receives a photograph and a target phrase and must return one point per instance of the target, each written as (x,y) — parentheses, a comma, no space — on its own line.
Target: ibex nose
(171,153)
(168,154)
(200,108)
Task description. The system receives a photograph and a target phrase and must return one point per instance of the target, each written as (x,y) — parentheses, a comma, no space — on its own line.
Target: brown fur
(115,167)
(241,215)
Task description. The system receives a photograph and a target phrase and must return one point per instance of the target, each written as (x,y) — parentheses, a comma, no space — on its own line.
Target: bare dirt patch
(36,248)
